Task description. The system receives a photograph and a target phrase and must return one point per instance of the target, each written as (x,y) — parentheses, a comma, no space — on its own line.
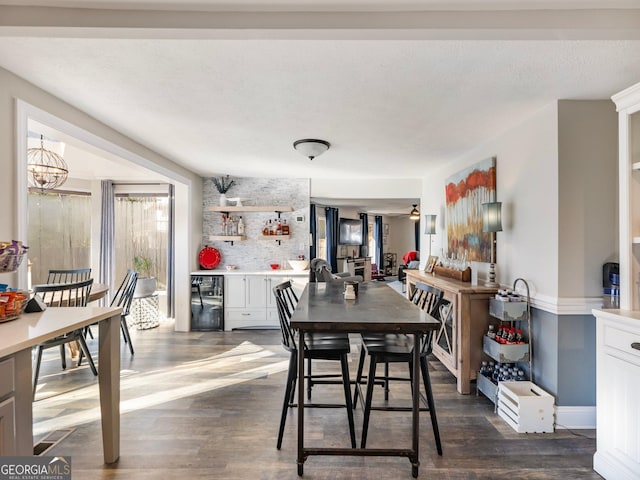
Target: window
(141,230)
(59,232)
(321,237)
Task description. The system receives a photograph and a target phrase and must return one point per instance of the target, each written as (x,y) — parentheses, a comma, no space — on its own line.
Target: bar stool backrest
(68,276)
(73,294)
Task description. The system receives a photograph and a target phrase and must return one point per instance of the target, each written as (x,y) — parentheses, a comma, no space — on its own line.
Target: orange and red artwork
(465,193)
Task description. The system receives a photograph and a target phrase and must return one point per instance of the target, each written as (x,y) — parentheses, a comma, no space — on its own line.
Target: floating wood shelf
(277,238)
(252,208)
(227,238)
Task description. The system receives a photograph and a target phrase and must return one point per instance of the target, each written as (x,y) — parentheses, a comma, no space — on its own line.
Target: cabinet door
(235,291)
(7,420)
(272,281)
(256,291)
(618,390)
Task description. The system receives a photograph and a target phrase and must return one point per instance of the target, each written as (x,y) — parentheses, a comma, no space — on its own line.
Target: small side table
(145,312)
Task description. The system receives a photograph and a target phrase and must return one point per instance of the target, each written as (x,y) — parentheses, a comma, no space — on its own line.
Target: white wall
(527,186)
(588,178)
(557,181)
(366,188)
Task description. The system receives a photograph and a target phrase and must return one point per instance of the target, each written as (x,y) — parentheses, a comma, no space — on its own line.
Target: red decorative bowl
(209,258)
(274,266)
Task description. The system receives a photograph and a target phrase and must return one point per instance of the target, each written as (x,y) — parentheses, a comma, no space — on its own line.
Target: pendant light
(47,170)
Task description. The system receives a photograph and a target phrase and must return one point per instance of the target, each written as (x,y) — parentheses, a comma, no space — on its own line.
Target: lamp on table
(429,228)
(492,223)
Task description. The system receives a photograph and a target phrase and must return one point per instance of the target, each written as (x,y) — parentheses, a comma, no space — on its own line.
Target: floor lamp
(429,228)
(492,222)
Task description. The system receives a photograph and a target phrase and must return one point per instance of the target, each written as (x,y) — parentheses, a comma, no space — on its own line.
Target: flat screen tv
(350,232)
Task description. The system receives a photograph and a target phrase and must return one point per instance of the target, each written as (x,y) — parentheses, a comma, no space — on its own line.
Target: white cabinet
(249,300)
(617,454)
(628,107)
(7,408)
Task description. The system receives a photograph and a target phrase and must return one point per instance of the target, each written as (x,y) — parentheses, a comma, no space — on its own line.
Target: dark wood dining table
(377,308)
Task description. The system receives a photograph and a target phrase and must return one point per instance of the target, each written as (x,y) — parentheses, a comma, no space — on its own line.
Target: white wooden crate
(526,407)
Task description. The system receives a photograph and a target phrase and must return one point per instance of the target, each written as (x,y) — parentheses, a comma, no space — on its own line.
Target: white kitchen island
(248,295)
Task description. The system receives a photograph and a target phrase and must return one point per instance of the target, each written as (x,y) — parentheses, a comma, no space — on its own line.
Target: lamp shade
(414,214)
(310,147)
(492,217)
(430,224)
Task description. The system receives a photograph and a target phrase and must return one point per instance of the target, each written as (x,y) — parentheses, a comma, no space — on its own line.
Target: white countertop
(238,271)
(33,328)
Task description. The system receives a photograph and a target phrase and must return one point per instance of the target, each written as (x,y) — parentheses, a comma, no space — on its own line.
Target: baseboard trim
(576,418)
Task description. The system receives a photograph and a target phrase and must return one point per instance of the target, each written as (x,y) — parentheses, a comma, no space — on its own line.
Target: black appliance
(207,302)
(611,285)
(610,277)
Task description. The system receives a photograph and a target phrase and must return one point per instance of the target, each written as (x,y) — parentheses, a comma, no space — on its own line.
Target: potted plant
(146,283)
(223,184)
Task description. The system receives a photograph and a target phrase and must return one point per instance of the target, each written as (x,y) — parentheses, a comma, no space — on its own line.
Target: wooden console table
(458,345)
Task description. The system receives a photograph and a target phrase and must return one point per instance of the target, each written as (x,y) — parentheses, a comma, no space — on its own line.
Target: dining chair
(122,298)
(398,348)
(316,347)
(68,276)
(73,294)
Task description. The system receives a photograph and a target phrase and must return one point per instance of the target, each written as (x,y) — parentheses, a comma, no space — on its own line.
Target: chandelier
(47,170)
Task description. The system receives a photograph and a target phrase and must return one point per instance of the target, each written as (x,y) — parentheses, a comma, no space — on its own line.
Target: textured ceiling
(391,104)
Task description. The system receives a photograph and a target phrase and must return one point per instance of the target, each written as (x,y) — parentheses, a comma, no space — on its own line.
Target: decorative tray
(461,275)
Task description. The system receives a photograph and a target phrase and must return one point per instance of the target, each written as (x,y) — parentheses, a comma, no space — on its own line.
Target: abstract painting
(465,193)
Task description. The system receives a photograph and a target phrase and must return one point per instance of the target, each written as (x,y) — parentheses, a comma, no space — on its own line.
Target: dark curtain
(313,252)
(364,249)
(332,237)
(417,234)
(377,232)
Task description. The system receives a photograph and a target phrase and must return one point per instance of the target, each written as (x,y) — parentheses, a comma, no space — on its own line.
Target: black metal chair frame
(64,295)
(317,347)
(122,298)
(393,348)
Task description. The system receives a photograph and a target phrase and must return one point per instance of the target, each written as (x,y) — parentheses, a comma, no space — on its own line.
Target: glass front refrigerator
(207,302)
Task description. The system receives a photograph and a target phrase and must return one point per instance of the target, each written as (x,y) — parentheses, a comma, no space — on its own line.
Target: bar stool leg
(291,380)
(347,397)
(432,406)
(367,405)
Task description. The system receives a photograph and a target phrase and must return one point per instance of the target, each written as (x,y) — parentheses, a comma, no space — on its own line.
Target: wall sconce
(430,228)
(492,222)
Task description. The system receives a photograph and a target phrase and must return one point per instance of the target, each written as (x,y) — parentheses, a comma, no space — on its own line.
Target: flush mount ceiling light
(310,147)
(414,214)
(47,170)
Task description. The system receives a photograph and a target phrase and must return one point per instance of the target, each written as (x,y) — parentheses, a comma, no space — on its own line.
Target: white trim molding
(576,418)
(628,100)
(566,305)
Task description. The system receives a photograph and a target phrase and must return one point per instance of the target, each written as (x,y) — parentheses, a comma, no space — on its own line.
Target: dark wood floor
(207,405)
